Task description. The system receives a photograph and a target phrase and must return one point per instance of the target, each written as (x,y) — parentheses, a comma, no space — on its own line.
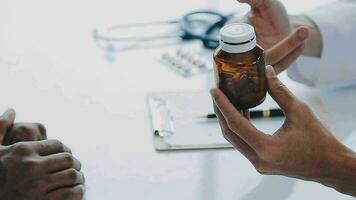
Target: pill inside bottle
(240,66)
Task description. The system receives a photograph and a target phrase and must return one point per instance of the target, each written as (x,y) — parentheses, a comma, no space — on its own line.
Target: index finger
(279,92)
(234,138)
(49,147)
(21,132)
(279,51)
(237,122)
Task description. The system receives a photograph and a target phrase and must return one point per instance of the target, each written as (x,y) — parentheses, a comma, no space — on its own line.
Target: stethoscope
(209,40)
(200,25)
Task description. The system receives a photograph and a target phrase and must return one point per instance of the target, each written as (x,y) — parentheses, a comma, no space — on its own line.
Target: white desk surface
(51,71)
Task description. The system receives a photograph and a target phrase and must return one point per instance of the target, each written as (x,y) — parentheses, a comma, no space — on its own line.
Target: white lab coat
(337,65)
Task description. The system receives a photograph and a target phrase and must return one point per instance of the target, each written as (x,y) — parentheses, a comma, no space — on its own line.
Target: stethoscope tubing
(184,32)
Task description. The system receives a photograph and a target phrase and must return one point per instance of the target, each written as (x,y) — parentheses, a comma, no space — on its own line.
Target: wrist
(313,45)
(342,176)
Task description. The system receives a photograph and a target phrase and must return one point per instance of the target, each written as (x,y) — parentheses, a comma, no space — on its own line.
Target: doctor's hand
(302,148)
(270,19)
(274,33)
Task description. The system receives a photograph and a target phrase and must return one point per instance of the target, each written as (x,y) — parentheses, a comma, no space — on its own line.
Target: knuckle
(21,148)
(69,159)
(42,130)
(73,174)
(83,177)
(42,145)
(80,178)
(79,165)
(58,144)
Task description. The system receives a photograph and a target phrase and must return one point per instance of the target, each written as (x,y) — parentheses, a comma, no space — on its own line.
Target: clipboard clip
(162,118)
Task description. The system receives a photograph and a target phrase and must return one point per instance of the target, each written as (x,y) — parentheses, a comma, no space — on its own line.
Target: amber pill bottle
(240,66)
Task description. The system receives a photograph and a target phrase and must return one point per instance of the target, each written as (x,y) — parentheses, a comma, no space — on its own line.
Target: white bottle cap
(237,38)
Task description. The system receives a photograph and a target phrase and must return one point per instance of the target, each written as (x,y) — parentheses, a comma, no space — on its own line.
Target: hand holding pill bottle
(240,66)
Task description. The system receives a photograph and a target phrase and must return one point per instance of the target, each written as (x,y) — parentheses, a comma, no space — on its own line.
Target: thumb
(6,121)
(278,91)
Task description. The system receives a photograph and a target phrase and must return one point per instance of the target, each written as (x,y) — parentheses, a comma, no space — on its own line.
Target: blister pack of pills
(186,62)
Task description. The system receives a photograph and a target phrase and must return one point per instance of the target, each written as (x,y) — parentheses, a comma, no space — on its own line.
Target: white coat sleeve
(337,65)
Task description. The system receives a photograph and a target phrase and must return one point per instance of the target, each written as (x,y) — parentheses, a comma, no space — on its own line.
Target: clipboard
(172,114)
(176,125)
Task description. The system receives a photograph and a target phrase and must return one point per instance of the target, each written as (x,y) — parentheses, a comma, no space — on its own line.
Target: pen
(268,113)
